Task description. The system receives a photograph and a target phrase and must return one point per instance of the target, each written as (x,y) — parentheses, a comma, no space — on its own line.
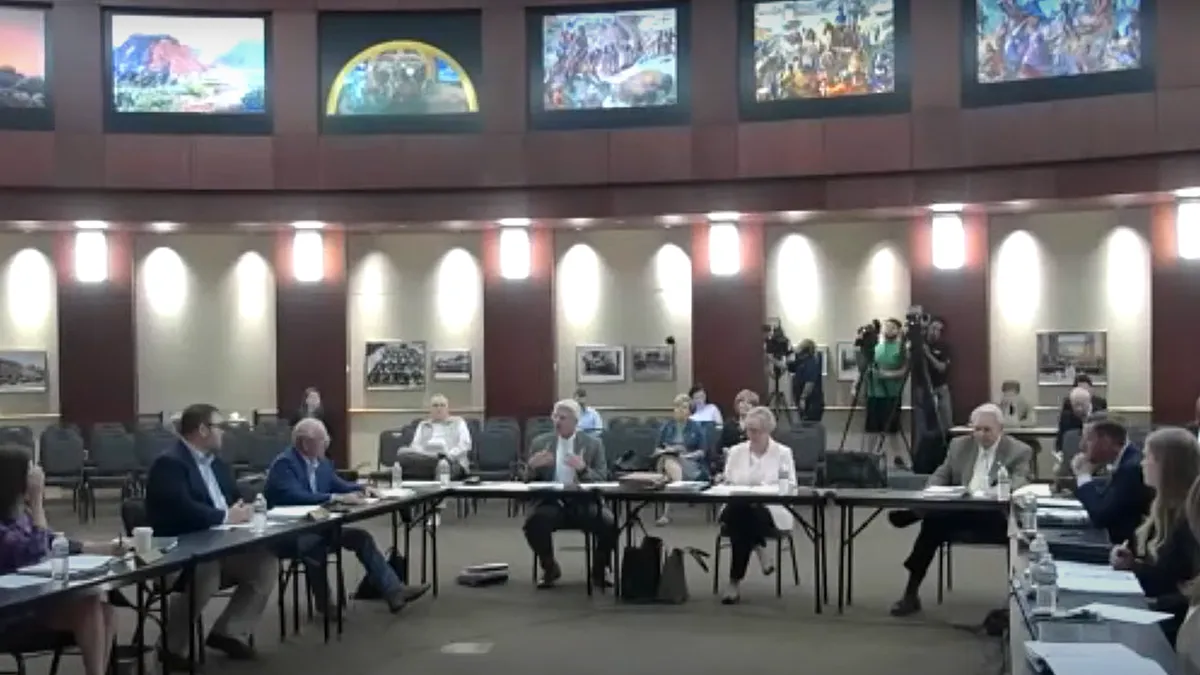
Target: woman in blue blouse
(681,444)
(25,539)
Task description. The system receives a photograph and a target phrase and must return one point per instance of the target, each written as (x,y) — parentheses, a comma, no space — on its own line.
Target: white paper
(397,493)
(1143,617)
(1058,503)
(685,485)
(1064,514)
(423,483)
(725,490)
(544,485)
(291,512)
(945,491)
(507,486)
(367,501)
(1039,490)
(1078,658)
(613,485)
(231,526)
(15,581)
(80,564)
(1084,578)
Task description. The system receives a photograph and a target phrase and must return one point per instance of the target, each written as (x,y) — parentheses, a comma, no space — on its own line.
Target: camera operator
(937,355)
(807,381)
(884,387)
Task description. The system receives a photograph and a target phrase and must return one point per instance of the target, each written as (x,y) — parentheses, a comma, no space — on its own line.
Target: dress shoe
(400,598)
(230,646)
(906,606)
(903,518)
(550,575)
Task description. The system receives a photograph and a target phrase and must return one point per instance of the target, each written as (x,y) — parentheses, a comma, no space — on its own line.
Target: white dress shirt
(563,473)
(981,476)
(743,467)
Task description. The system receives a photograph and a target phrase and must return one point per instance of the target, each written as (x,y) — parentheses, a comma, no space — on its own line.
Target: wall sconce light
(724,249)
(949,242)
(515,260)
(1187,229)
(91,257)
(308,256)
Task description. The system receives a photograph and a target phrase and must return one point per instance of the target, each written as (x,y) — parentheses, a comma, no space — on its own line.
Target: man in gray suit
(972,462)
(567,457)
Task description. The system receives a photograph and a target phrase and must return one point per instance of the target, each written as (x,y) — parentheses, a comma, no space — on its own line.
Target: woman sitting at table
(680,454)
(733,432)
(1187,644)
(1164,554)
(757,462)
(25,539)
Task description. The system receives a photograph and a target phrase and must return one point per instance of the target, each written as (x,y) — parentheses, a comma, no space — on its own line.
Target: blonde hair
(1177,454)
(763,415)
(683,401)
(747,396)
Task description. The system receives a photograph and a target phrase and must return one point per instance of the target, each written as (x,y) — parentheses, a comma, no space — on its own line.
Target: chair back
(475,426)
(536,426)
(1137,435)
(113,454)
(18,435)
(61,451)
(264,418)
(808,452)
(501,423)
(133,515)
(106,428)
(642,440)
(265,444)
(390,442)
(149,420)
(656,423)
(620,422)
(151,442)
(499,449)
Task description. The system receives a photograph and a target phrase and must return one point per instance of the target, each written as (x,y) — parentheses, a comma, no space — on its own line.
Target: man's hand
(239,513)
(349,499)
(370,491)
(1121,558)
(576,462)
(541,459)
(35,485)
(1080,465)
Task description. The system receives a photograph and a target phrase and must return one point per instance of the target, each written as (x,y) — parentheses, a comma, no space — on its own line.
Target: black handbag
(855,470)
(641,571)
(367,591)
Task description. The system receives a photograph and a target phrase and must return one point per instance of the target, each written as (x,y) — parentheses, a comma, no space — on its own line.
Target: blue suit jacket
(693,435)
(177,501)
(287,481)
(1120,504)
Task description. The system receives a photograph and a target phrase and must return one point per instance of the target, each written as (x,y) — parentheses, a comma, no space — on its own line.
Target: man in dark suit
(567,457)
(190,489)
(972,462)
(1080,402)
(1120,504)
(303,476)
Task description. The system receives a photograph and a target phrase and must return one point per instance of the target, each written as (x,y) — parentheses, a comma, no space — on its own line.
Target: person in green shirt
(885,385)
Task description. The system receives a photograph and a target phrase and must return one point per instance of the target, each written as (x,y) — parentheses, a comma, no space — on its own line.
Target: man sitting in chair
(567,457)
(303,476)
(971,461)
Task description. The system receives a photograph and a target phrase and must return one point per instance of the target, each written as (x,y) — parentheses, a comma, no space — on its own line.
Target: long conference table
(411,507)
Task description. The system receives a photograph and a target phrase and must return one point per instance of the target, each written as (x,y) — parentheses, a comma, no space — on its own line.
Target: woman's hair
(310,391)
(439,399)
(745,396)
(14,477)
(763,415)
(696,389)
(1177,454)
(682,401)
(1191,511)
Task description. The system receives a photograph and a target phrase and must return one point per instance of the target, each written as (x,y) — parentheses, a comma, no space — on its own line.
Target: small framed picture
(394,365)
(653,364)
(1064,354)
(599,364)
(847,362)
(451,365)
(823,355)
(23,371)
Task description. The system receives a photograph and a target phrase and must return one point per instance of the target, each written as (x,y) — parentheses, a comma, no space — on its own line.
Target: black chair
(236,444)
(623,422)
(28,642)
(114,463)
(638,444)
(498,454)
(61,454)
(780,538)
(149,420)
(261,418)
(21,436)
(265,444)
(390,443)
(534,427)
(808,453)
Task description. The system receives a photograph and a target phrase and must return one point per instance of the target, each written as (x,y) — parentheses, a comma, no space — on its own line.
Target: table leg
(191,628)
(140,643)
(341,585)
(816,542)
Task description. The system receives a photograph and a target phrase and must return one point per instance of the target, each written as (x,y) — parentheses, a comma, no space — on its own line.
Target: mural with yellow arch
(401,77)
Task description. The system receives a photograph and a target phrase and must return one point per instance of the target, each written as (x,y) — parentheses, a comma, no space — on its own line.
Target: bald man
(1080,403)
(303,476)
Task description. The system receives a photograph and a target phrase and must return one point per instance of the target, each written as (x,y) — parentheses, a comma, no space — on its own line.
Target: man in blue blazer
(1120,504)
(190,489)
(303,476)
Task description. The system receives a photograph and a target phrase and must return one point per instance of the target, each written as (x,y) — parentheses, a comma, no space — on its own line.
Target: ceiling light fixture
(515,222)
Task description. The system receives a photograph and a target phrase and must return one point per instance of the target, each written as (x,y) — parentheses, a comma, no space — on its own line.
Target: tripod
(777,400)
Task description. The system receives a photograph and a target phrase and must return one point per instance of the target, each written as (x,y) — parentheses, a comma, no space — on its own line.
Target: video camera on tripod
(777,348)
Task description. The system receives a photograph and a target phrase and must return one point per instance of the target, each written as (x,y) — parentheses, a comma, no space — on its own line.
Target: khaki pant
(253,575)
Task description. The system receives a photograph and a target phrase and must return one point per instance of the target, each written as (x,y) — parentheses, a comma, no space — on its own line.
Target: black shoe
(902,518)
(906,606)
(731,598)
(550,575)
(231,647)
(174,663)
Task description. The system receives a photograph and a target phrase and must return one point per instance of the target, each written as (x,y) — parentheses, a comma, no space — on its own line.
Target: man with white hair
(303,476)
(972,462)
(570,458)
(1080,404)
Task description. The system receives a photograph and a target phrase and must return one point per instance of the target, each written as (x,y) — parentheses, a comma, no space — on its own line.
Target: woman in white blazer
(760,461)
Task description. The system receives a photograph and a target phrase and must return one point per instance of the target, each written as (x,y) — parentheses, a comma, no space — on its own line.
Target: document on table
(81,565)
(1084,578)
(1142,617)
(423,483)
(945,491)
(1067,515)
(397,493)
(291,512)
(10,582)
(505,486)
(725,490)
(1039,490)
(1078,658)
(687,485)
(1059,503)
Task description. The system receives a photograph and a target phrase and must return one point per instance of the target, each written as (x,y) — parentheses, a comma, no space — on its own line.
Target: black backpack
(367,591)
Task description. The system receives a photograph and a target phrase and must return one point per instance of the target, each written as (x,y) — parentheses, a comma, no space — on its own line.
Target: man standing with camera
(807,382)
(937,355)
(885,384)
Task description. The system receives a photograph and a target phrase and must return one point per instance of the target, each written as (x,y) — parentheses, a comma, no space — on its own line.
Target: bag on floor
(641,571)
(848,469)
(672,582)
(367,591)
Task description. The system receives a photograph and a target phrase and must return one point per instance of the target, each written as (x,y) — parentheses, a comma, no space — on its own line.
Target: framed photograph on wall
(599,364)
(451,365)
(25,96)
(847,362)
(1064,354)
(653,364)
(823,354)
(394,365)
(23,371)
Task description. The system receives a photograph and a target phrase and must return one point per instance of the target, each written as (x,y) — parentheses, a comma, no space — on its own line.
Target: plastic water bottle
(397,474)
(443,472)
(1003,484)
(1045,585)
(1038,549)
(60,558)
(258,522)
(785,481)
(1029,517)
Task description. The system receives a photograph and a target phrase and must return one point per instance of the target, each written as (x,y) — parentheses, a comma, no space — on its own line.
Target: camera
(775,342)
(916,320)
(866,338)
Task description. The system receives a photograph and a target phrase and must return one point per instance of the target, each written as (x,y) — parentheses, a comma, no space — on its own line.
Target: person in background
(808,382)
(681,456)
(937,355)
(1076,407)
(25,539)
(885,385)
(311,407)
(1017,410)
(1120,504)
(439,435)
(1194,425)
(702,410)
(189,489)
(1163,554)
(757,462)
(589,418)
(972,462)
(570,458)
(303,476)
(734,431)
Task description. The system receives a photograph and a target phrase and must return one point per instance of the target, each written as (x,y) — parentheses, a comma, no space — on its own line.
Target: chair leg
(716,564)
(282,582)
(949,567)
(941,573)
(20,661)
(795,567)
(779,567)
(56,660)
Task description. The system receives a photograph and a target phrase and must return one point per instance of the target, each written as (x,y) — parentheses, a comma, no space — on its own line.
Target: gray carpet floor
(518,628)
